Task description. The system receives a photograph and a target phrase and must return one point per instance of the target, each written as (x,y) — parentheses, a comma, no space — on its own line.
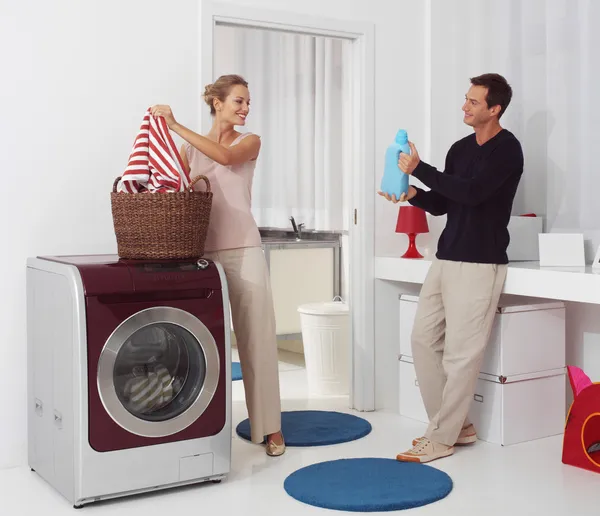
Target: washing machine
(129,374)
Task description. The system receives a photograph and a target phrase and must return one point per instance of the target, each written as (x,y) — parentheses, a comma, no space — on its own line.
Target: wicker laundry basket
(161,226)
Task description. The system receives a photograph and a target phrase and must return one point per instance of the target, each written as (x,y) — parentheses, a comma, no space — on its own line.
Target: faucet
(297,228)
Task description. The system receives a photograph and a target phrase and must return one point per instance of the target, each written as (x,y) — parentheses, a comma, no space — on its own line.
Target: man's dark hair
(499,91)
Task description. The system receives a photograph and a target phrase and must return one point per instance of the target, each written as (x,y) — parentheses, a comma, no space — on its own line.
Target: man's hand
(408,162)
(403,197)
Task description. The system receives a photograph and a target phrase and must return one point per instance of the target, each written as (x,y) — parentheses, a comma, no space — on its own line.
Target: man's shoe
(425,451)
(467,436)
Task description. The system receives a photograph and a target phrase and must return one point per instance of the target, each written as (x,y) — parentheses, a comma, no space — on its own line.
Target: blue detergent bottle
(394,181)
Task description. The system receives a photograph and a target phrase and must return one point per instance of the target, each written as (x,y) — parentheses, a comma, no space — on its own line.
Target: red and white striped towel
(154,165)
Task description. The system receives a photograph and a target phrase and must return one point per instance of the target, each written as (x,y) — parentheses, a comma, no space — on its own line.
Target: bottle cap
(401,136)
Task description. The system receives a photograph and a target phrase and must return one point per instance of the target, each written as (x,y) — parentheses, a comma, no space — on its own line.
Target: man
(460,294)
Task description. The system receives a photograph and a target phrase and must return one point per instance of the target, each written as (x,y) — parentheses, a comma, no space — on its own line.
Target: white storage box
(410,401)
(528,335)
(524,245)
(326,339)
(521,390)
(524,408)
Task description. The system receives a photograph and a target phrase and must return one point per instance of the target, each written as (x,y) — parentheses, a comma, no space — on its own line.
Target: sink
(284,236)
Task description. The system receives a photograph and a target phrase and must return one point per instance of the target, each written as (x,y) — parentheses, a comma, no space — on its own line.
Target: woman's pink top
(232,224)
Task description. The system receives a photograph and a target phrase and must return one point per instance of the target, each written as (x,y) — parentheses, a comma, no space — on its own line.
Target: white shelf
(580,284)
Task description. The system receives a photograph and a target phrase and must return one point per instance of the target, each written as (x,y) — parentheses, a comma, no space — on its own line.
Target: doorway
(359,197)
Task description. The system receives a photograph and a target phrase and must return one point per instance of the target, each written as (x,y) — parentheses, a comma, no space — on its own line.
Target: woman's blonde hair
(221,88)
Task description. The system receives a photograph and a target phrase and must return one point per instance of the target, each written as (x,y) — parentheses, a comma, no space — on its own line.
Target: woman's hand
(165,112)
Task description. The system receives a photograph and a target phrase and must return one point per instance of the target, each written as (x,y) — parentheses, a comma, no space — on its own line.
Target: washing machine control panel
(174,276)
(173,267)
(108,275)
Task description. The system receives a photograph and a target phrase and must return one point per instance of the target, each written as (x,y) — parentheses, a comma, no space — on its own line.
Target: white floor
(526,479)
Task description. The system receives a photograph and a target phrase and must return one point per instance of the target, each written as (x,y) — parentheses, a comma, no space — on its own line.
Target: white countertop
(580,284)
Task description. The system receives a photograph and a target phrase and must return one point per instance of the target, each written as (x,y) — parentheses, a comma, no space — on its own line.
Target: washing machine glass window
(158,371)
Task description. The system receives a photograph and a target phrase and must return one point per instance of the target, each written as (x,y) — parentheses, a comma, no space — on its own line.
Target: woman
(228,159)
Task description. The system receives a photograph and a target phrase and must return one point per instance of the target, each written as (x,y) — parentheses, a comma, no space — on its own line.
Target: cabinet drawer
(409,399)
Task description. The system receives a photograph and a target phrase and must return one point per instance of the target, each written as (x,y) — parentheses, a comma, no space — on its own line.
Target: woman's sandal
(275,450)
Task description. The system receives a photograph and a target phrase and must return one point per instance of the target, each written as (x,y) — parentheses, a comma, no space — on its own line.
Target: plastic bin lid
(327,308)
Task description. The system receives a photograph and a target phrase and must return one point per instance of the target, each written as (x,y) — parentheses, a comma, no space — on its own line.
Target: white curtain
(548,51)
(299,107)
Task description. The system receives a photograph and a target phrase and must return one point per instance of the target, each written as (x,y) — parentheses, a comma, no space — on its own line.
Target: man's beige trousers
(457,305)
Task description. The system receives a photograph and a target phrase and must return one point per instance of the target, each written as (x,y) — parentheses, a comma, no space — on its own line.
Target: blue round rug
(236,371)
(368,485)
(315,428)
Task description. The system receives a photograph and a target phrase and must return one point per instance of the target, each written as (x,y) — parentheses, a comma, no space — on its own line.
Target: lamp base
(412,251)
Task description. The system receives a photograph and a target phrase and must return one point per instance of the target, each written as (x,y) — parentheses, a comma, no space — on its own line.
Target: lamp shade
(411,220)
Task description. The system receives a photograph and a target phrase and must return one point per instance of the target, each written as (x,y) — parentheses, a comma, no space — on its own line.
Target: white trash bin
(326,340)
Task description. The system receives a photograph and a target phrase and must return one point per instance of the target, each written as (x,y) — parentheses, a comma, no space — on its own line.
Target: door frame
(362,216)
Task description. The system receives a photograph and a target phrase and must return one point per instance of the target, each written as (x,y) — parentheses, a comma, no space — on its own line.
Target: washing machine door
(158,372)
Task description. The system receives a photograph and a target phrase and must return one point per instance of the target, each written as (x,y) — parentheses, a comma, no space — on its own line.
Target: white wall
(77,78)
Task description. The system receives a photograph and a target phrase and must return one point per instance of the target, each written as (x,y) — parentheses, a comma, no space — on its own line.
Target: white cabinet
(299,276)
(520,392)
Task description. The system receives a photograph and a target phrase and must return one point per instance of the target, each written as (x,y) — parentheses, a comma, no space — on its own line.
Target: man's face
(477,112)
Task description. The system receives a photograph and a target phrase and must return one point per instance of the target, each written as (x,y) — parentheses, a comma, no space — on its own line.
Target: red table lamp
(412,221)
